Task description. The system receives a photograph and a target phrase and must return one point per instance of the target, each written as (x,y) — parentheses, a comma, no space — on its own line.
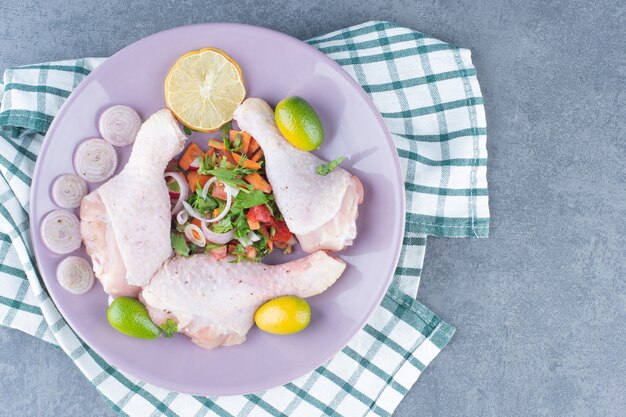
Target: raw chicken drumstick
(125,223)
(213,301)
(320,210)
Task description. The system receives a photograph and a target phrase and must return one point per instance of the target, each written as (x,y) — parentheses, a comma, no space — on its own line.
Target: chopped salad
(222,202)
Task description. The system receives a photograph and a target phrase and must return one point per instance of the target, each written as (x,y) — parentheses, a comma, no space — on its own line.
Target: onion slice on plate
(184,189)
(219,238)
(75,275)
(119,125)
(95,160)
(60,232)
(68,190)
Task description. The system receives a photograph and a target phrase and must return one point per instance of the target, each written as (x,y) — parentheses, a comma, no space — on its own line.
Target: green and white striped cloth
(429,96)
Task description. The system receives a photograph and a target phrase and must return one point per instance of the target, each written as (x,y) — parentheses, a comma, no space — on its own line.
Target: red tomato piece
(259,214)
(219,191)
(282,234)
(219,253)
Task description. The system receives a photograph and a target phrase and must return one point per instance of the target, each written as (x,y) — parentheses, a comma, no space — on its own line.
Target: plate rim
(401,207)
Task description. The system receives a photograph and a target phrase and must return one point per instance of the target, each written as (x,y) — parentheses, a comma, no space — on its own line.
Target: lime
(298,123)
(129,316)
(283,315)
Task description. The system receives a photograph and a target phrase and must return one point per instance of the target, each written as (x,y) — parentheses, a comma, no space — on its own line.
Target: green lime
(283,315)
(298,123)
(129,316)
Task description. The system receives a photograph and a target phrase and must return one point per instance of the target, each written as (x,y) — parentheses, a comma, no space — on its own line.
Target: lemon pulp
(204,88)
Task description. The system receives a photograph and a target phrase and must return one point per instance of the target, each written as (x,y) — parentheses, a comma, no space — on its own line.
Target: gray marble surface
(540,306)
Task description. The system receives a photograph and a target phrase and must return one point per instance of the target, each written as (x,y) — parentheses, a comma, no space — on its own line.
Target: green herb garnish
(207,163)
(179,244)
(203,205)
(187,130)
(326,169)
(230,176)
(251,199)
(170,327)
(238,142)
(226,128)
(211,246)
(223,225)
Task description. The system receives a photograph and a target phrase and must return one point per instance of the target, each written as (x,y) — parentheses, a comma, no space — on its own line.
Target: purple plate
(274,66)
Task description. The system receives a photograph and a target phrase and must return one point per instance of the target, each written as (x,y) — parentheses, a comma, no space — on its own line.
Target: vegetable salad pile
(225,205)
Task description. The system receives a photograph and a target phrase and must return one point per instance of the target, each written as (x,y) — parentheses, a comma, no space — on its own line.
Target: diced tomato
(219,191)
(282,234)
(259,214)
(219,253)
(250,252)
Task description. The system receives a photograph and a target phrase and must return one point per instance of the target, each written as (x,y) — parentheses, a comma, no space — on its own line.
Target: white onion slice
(60,232)
(182,217)
(110,299)
(68,190)
(75,275)
(119,125)
(194,213)
(253,236)
(249,239)
(184,189)
(191,231)
(219,238)
(95,160)
(205,189)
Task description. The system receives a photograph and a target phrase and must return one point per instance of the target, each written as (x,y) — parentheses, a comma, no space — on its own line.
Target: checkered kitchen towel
(429,96)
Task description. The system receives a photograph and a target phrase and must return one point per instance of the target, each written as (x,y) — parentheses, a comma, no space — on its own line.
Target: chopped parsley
(223,225)
(203,205)
(225,129)
(247,200)
(230,176)
(170,327)
(326,169)
(187,130)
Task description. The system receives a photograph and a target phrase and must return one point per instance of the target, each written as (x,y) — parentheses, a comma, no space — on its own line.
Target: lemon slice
(204,88)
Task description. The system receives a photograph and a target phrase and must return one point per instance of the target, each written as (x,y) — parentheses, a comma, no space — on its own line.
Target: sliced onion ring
(95,160)
(68,190)
(184,189)
(75,275)
(249,239)
(253,236)
(219,238)
(119,125)
(191,230)
(60,232)
(182,217)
